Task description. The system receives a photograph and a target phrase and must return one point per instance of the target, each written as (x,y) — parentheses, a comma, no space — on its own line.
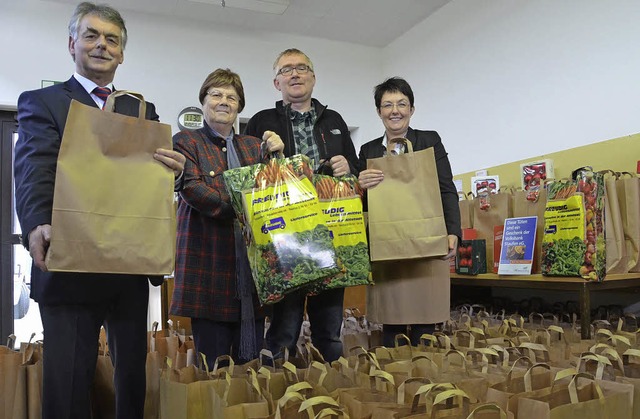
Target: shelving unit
(580,286)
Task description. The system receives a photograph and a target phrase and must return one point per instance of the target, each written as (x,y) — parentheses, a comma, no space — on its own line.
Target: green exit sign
(47,83)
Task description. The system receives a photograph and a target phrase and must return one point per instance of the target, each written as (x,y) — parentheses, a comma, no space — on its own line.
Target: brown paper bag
(239,397)
(184,394)
(596,400)
(628,188)
(31,370)
(522,207)
(414,226)
(536,377)
(13,384)
(466,211)
(103,393)
(153,370)
(127,225)
(485,219)
(614,238)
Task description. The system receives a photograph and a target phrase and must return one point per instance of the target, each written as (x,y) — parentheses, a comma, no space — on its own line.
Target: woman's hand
(370,178)
(273,142)
(453,244)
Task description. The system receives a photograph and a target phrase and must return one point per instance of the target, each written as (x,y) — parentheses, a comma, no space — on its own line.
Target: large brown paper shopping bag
(239,397)
(616,248)
(628,188)
(153,368)
(13,384)
(466,211)
(113,208)
(184,394)
(596,400)
(103,393)
(406,219)
(486,218)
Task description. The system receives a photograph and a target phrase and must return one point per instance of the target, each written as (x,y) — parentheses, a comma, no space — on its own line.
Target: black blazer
(42,115)
(421,140)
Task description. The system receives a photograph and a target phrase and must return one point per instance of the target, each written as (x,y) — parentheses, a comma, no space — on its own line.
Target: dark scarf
(244,279)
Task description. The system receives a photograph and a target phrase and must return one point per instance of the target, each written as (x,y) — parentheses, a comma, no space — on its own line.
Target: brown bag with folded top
(414,226)
(126,225)
(628,188)
(484,219)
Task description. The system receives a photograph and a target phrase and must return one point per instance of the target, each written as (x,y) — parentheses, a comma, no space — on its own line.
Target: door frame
(8,126)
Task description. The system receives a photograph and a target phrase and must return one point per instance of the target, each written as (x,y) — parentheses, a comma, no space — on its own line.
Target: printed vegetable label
(341,211)
(564,219)
(278,210)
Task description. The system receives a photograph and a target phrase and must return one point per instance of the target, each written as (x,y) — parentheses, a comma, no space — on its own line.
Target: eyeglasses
(218,96)
(387,106)
(300,69)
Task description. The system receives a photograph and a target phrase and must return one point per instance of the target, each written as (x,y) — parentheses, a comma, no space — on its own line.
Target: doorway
(19,313)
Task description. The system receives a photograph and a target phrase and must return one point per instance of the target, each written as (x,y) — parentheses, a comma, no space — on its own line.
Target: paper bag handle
(111,101)
(486,408)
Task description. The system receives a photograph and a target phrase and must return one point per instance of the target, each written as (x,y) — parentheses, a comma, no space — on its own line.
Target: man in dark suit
(74,306)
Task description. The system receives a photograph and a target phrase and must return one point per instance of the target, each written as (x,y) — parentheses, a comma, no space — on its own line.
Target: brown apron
(413,291)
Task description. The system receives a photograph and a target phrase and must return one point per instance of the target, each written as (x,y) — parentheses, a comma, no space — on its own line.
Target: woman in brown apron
(421,296)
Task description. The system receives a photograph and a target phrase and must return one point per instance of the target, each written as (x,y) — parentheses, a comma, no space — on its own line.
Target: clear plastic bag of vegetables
(341,206)
(288,244)
(574,236)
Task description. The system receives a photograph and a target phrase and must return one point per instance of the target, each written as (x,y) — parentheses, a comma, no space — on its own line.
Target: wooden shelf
(579,285)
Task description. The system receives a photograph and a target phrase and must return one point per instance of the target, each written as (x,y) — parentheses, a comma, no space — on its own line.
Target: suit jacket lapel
(77,92)
(411,136)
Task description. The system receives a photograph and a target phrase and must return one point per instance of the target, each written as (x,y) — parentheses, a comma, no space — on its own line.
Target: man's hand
(453,244)
(39,239)
(339,165)
(273,142)
(370,178)
(172,159)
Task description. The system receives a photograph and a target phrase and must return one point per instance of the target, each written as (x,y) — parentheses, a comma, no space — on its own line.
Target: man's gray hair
(103,11)
(291,51)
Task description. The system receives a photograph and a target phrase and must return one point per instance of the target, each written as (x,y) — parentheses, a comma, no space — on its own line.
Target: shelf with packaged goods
(579,285)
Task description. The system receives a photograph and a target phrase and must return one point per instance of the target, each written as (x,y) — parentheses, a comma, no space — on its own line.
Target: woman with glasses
(213,283)
(420,302)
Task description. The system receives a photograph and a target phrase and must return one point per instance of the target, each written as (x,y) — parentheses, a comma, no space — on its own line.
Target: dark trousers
(325,316)
(71,335)
(213,339)
(413,331)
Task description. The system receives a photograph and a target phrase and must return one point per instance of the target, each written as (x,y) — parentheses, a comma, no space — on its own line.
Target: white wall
(503,80)
(167,60)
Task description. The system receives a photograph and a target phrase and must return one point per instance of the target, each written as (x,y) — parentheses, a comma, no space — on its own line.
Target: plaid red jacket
(205,284)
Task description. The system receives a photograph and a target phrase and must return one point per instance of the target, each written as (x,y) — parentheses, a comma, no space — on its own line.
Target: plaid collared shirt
(302,124)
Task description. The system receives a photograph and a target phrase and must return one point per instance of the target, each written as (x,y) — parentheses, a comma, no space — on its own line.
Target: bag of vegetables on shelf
(288,244)
(341,205)
(574,237)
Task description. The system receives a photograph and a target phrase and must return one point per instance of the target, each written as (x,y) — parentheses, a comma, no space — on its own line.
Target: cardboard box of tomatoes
(471,257)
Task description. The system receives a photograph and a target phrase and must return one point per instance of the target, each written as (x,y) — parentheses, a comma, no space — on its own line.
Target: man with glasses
(306,127)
